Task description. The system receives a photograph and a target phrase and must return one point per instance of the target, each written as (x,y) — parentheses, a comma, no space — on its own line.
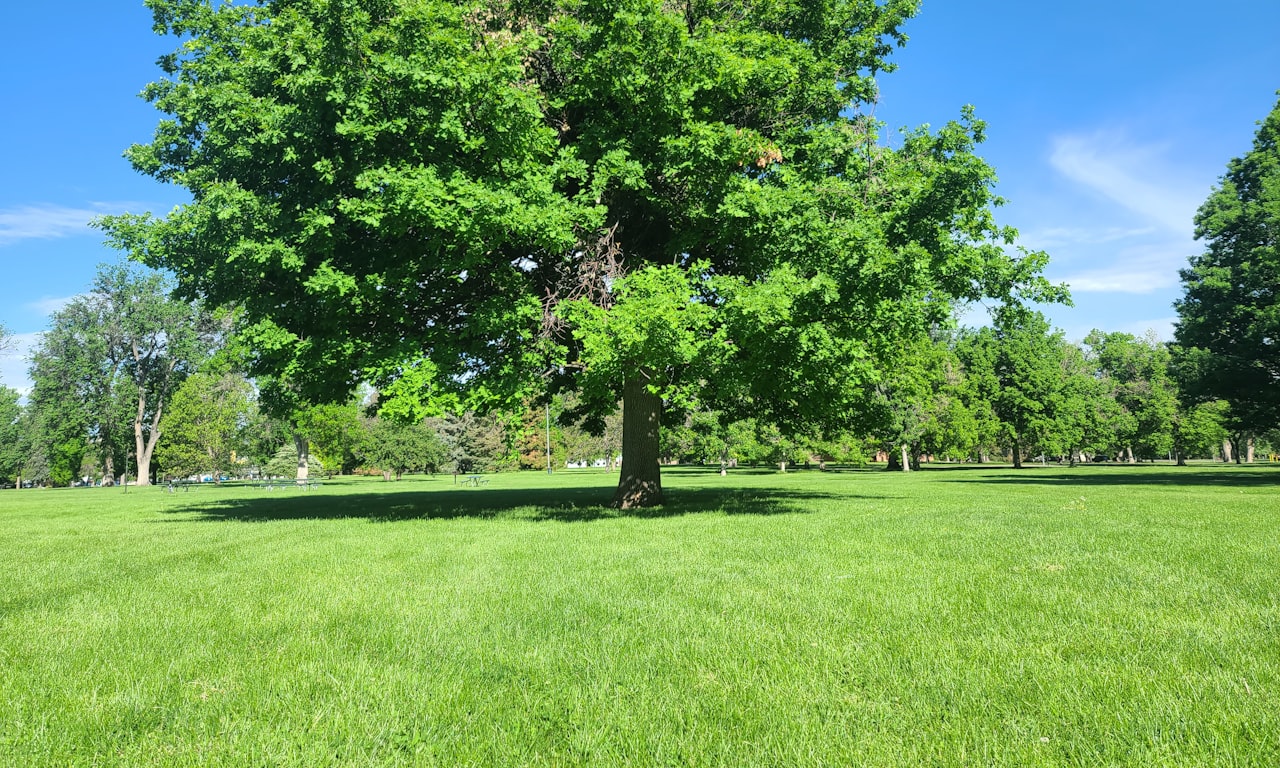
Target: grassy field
(953,617)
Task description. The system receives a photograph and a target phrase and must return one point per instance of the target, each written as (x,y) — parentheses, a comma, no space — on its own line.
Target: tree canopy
(108,365)
(477,201)
(1228,330)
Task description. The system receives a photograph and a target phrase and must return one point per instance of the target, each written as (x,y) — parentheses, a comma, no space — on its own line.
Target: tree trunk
(1182,459)
(1128,453)
(304,454)
(640,481)
(144,446)
(1017,455)
(1226,451)
(906,459)
(1248,450)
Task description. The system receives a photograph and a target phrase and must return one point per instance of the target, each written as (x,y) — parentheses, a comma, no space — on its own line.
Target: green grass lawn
(952,617)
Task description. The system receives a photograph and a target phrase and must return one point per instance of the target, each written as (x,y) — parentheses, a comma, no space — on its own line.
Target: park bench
(173,486)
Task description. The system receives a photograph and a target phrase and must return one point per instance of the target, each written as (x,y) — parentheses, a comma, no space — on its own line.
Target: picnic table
(475,481)
(173,486)
(306,485)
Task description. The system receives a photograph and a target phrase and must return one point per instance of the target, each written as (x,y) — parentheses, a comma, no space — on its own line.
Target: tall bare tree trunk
(640,482)
(1248,450)
(304,455)
(1226,451)
(906,459)
(145,446)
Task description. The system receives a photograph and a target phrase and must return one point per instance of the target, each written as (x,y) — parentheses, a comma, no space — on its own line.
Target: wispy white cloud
(1136,176)
(50,304)
(1140,269)
(1053,237)
(47,221)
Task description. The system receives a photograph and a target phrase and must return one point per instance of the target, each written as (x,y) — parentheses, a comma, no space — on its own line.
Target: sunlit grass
(1101,616)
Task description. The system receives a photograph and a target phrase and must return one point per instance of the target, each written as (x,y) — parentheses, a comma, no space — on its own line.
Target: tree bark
(1017,455)
(640,481)
(1226,451)
(906,459)
(1248,450)
(304,454)
(145,446)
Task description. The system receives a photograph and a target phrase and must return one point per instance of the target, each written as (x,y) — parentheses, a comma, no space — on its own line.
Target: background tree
(335,431)
(1198,430)
(203,424)
(515,196)
(1229,315)
(79,390)
(397,448)
(122,348)
(1137,370)
(11,438)
(286,461)
(1017,367)
(261,438)
(1085,421)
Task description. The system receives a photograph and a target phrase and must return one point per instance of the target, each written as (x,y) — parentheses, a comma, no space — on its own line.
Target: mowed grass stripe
(1100,616)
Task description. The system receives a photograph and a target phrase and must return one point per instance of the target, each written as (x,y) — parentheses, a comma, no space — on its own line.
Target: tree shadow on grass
(572,504)
(1122,475)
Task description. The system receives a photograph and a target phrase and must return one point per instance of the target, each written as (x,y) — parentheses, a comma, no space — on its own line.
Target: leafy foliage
(11,435)
(398,448)
(499,199)
(109,364)
(1228,327)
(203,424)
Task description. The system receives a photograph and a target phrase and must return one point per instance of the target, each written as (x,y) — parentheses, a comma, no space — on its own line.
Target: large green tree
(650,200)
(1228,330)
(109,364)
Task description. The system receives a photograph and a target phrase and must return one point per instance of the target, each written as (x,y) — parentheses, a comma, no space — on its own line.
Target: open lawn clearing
(957,616)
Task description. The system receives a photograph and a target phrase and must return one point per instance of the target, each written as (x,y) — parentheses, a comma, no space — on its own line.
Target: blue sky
(1109,122)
